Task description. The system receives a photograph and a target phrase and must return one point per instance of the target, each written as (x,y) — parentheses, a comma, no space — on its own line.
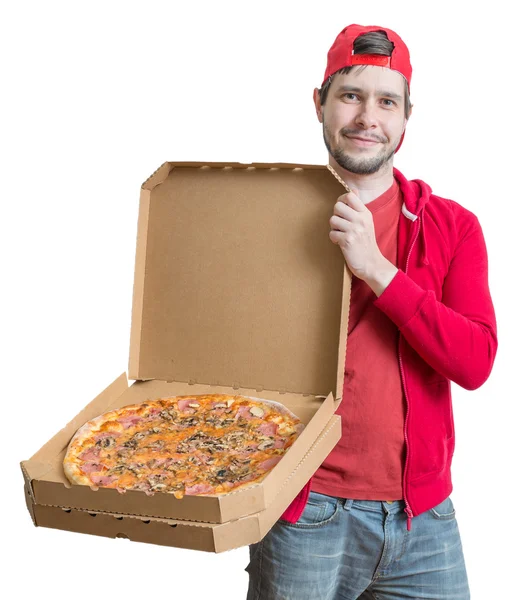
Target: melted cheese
(199,465)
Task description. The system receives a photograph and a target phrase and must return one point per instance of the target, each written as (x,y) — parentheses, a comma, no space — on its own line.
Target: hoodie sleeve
(456,336)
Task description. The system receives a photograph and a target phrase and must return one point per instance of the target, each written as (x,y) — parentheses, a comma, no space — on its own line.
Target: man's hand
(353,230)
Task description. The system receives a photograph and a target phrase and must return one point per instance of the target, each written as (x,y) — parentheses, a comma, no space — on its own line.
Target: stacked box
(238,290)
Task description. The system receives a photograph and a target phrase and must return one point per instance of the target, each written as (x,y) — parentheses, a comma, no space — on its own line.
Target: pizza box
(217,537)
(49,485)
(237,289)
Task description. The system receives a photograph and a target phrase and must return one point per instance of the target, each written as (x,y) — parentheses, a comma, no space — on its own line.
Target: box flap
(43,461)
(236,281)
(98,406)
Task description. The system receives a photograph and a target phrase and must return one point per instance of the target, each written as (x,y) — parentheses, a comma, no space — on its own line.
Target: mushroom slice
(265,445)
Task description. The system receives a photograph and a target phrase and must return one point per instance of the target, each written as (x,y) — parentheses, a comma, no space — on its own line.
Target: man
(376,521)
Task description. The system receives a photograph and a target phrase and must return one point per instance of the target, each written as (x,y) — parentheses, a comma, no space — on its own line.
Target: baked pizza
(208,444)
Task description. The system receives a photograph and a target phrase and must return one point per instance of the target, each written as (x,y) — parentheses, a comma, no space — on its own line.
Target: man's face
(368,105)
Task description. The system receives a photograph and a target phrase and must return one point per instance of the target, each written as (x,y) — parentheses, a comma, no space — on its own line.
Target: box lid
(236,280)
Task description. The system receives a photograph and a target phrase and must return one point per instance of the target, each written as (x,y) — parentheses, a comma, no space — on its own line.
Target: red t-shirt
(367,463)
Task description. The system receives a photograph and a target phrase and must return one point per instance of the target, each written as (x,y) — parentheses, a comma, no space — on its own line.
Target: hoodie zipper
(408,509)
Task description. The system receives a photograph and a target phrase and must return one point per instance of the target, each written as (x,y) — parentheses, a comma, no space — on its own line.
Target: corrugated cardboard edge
(343,338)
(160,174)
(346,299)
(139,282)
(30,502)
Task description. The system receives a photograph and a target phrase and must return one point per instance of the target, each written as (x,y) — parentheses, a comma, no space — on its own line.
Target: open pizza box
(209,537)
(237,289)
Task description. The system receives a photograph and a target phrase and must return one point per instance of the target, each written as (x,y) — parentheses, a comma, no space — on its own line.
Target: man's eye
(350,94)
(392,103)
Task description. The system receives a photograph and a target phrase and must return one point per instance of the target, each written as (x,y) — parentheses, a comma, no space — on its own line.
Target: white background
(96,96)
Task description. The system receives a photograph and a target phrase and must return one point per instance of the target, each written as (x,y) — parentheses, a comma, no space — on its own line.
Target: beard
(354,164)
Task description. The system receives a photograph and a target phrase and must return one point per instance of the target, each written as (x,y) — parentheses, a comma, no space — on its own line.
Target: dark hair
(374,42)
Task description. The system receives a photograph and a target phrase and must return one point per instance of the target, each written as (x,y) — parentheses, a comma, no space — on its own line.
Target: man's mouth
(360,141)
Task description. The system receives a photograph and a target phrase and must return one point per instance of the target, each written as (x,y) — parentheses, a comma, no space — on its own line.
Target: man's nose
(366,116)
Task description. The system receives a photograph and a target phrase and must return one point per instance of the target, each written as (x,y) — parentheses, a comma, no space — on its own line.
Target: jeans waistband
(381,506)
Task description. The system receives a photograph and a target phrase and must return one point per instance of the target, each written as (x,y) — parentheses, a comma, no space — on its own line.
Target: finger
(353,200)
(343,210)
(337,237)
(344,197)
(339,224)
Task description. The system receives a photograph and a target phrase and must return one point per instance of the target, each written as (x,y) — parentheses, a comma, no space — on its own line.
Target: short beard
(359,166)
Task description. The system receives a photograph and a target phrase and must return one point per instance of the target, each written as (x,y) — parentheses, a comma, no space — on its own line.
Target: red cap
(341,55)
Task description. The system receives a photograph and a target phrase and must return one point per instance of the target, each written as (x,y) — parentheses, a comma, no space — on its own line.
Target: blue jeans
(360,549)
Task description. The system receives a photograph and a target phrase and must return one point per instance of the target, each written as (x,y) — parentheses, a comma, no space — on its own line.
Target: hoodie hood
(416,194)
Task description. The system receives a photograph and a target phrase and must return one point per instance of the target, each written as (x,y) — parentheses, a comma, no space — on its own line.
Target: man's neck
(368,186)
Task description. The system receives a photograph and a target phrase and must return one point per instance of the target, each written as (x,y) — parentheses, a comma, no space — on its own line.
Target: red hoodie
(440,301)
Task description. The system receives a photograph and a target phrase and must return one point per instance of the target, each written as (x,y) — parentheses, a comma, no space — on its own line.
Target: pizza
(209,444)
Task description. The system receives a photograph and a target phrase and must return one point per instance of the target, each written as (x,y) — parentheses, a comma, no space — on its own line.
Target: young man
(376,520)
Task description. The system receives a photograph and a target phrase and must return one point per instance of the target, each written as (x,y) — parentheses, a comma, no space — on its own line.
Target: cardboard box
(49,485)
(185,534)
(237,289)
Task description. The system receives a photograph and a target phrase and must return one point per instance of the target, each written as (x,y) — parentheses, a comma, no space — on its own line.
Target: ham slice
(244,411)
(268,428)
(183,404)
(92,454)
(280,443)
(130,421)
(91,468)
(268,464)
(199,488)
(106,434)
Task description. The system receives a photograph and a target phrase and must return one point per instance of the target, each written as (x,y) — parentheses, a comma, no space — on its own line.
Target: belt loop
(347,503)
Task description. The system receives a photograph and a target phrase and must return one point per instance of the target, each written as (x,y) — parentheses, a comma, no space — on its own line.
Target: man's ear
(318,107)
(406,119)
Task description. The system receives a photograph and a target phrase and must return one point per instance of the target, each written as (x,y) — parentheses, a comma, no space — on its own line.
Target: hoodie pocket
(435,457)
(432,431)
